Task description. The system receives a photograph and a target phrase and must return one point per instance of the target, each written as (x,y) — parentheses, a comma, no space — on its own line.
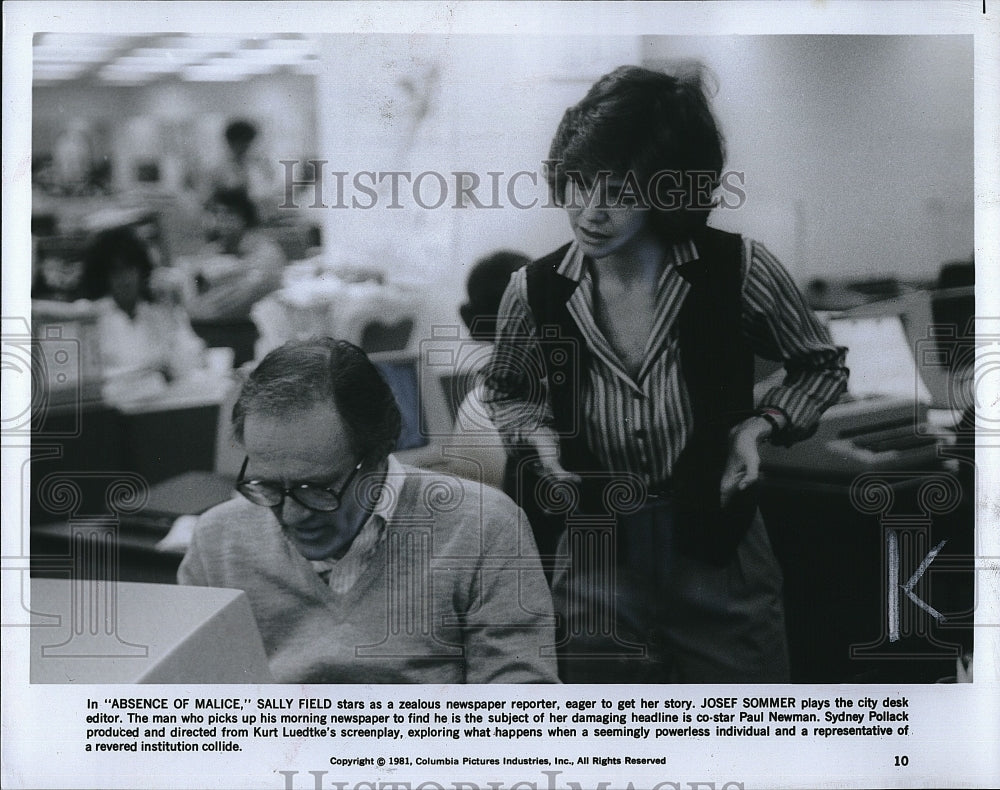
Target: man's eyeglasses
(309,495)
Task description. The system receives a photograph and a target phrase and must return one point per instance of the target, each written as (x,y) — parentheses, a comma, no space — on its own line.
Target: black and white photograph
(500,395)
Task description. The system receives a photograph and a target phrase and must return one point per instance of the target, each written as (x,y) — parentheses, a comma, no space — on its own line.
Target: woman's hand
(546,444)
(743,465)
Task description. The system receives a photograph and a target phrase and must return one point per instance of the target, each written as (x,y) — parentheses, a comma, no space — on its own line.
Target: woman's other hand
(546,444)
(743,465)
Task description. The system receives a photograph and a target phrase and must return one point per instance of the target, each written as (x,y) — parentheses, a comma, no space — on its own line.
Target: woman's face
(605,220)
(62,275)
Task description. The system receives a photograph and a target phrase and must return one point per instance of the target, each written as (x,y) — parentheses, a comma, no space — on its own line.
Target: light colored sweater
(453,591)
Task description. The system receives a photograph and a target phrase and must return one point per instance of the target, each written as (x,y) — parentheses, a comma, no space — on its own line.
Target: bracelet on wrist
(775,417)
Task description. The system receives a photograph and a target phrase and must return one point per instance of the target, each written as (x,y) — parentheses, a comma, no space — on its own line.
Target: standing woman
(625,362)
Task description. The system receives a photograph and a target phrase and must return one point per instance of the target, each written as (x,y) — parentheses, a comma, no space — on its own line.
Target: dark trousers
(635,610)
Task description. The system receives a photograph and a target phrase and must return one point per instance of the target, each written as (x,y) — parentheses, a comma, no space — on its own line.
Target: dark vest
(717,367)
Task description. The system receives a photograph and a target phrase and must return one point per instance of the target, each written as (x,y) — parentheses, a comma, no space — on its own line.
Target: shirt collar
(573,266)
(347,568)
(388,497)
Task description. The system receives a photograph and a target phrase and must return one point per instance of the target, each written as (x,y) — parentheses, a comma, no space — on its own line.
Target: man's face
(307,446)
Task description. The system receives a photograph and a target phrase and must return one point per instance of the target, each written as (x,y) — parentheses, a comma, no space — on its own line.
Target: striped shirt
(641,424)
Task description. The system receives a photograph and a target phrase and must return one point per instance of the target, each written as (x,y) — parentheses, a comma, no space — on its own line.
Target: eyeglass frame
(289,491)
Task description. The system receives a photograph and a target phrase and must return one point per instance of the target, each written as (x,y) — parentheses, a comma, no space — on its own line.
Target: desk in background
(91,471)
(97,443)
(830,534)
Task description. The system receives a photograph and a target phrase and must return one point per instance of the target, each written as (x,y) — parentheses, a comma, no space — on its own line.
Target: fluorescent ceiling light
(180,57)
(275,56)
(239,66)
(203,43)
(57,71)
(52,54)
(129,78)
(136,59)
(297,44)
(80,40)
(141,66)
(211,74)
(121,71)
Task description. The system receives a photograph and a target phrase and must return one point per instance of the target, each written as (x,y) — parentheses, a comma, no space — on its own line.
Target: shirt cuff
(785,429)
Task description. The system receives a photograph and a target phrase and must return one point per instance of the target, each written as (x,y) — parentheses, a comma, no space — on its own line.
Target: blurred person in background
(56,270)
(144,330)
(240,264)
(484,287)
(243,167)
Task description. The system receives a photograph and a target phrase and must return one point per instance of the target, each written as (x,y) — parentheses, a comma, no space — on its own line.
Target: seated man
(359,569)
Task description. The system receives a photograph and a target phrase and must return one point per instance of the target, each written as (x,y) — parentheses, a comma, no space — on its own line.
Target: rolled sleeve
(515,392)
(782,327)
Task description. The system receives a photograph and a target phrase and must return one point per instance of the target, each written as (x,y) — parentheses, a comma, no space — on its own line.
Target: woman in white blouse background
(146,339)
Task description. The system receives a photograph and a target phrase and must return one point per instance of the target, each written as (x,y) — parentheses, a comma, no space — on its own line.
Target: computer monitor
(450,366)
(909,345)
(400,372)
(879,356)
(90,631)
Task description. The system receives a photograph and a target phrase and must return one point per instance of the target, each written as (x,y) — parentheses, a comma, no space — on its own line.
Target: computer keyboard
(894,441)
